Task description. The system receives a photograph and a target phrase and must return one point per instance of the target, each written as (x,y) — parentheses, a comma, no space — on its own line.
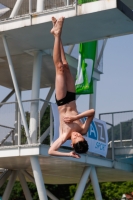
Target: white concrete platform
(63,170)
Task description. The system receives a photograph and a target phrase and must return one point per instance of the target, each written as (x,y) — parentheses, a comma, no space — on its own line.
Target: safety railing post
(132,133)
(30,6)
(112,136)
(120,133)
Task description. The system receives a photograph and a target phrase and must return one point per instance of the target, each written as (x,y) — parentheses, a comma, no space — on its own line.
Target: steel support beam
(16,8)
(4,177)
(35,95)
(44,135)
(16,88)
(24,186)
(95,184)
(101,53)
(70,48)
(82,183)
(9,186)
(92,102)
(46,102)
(7,97)
(38,178)
(50,195)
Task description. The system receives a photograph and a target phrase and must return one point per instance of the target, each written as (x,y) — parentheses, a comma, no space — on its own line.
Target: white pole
(30,6)
(5,177)
(50,195)
(16,8)
(95,184)
(40,6)
(35,95)
(38,178)
(16,122)
(51,126)
(24,186)
(9,186)
(82,183)
(67,2)
(19,127)
(92,102)
(16,88)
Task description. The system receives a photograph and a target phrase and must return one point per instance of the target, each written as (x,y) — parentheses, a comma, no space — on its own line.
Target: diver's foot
(54,20)
(56,30)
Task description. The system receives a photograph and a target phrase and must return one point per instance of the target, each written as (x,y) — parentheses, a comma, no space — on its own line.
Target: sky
(114,90)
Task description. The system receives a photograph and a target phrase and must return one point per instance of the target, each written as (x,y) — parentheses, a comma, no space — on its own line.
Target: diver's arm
(88,113)
(53,150)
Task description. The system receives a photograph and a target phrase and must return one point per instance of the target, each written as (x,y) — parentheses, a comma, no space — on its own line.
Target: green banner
(84,82)
(85,1)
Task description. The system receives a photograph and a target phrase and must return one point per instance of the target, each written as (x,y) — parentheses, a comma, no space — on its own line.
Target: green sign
(85,1)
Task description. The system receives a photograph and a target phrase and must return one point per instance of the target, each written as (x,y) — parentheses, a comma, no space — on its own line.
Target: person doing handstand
(70,125)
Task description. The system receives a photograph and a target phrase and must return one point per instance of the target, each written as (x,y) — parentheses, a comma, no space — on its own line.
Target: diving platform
(63,170)
(26,64)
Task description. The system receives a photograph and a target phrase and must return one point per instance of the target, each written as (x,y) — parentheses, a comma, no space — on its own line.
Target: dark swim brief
(70,96)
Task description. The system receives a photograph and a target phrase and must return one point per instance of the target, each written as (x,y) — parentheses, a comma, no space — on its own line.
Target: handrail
(26,101)
(6,126)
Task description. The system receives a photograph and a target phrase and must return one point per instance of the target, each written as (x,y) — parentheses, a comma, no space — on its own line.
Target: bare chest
(67,128)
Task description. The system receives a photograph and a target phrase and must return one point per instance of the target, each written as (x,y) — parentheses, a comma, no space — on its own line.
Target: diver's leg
(60,80)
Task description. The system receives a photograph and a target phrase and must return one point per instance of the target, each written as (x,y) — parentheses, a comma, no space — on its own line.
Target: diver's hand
(74,154)
(69,119)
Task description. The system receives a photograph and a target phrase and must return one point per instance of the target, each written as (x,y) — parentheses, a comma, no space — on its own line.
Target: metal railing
(12,130)
(21,7)
(120,132)
(18,8)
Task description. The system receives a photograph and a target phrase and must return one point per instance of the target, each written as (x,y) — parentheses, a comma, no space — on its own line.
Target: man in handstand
(70,125)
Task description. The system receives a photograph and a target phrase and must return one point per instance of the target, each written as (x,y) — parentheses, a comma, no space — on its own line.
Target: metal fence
(121,131)
(12,130)
(30,6)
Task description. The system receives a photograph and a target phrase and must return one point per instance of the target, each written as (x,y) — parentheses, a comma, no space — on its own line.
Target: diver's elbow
(50,152)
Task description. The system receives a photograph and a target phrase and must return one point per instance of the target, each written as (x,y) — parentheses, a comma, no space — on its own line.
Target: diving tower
(26,64)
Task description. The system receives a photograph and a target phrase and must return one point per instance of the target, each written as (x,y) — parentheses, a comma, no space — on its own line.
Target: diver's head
(79,144)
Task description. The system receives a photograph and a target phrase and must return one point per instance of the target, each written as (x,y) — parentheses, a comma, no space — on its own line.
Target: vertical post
(121,134)
(67,2)
(24,186)
(38,178)
(132,132)
(16,8)
(19,127)
(113,137)
(40,6)
(82,183)
(92,103)
(95,184)
(16,122)
(30,6)
(51,126)
(16,88)
(9,186)
(35,95)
